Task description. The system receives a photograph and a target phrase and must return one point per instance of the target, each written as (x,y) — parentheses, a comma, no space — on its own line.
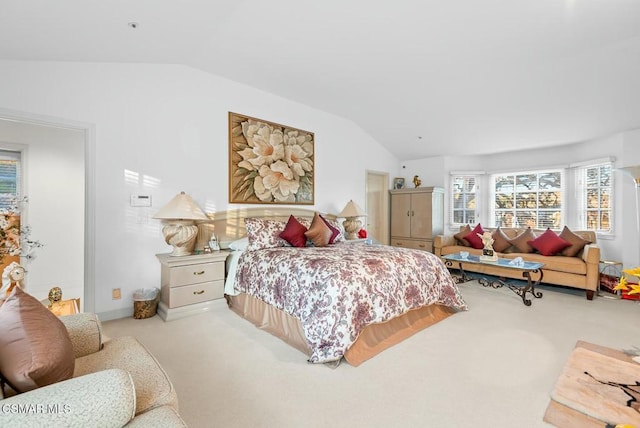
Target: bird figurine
(416,181)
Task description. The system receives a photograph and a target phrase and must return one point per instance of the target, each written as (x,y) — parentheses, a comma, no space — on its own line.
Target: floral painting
(269,163)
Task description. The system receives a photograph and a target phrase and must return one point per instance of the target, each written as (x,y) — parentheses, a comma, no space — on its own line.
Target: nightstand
(63,307)
(190,284)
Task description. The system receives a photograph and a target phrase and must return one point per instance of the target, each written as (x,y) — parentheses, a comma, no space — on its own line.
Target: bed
(345,300)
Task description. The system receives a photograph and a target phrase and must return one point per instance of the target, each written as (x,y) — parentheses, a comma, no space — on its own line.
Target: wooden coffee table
(526,268)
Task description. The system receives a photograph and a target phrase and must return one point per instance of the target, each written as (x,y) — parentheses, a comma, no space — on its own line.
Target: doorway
(34,132)
(377,206)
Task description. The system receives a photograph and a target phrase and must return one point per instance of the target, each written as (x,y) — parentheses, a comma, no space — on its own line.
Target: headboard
(228,226)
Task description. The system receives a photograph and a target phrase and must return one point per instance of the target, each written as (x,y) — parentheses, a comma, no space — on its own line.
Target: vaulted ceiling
(424,78)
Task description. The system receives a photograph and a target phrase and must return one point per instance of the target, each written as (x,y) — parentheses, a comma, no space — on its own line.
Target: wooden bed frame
(375,338)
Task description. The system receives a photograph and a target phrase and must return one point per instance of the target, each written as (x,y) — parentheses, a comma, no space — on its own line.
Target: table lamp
(178,215)
(352,224)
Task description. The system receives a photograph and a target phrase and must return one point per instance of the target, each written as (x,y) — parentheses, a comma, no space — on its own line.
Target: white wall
(54,183)
(161,129)
(624,147)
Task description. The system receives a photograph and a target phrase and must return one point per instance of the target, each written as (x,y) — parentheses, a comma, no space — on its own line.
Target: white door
(378,206)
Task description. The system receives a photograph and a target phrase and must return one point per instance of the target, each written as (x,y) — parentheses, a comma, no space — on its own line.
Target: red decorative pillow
(577,242)
(474,239)
(521,242)
(334,230)
(500,240)
(293,233)
(549,243)
(460,236)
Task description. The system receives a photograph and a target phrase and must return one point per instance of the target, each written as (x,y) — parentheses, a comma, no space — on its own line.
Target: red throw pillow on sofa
(474,239)
(549,243)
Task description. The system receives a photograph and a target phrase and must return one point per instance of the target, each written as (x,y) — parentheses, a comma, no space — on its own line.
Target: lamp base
(352,226)
(181,234)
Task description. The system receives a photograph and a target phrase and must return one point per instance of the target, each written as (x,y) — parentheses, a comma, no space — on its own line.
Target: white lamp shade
(181,207)
(633,172)
(352,210)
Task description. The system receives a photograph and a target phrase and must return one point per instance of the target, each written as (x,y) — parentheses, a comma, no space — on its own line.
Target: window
(528,199)
(594,184)
(9,178)
(463,203)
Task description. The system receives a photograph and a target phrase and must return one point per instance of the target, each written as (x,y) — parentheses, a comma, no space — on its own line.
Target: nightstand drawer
(197,273)
(189,294)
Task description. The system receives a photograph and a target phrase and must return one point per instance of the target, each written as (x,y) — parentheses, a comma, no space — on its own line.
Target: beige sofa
(118,383)
(580,271)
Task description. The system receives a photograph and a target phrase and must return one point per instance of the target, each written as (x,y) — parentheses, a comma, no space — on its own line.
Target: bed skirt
(374,339)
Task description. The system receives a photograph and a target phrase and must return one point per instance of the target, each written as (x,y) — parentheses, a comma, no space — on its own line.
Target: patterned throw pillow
(35,348)
(294,233)
(264,233)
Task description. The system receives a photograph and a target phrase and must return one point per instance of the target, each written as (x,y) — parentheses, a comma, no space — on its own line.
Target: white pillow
(239,245)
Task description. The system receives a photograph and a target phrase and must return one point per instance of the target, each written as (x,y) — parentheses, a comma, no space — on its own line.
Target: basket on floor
(145,303)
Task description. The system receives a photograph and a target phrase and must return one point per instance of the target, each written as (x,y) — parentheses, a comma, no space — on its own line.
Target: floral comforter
(338,290)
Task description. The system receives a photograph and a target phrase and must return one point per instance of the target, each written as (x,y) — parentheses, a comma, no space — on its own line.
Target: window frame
(455,175)
(558,224)
(582,188)
(8,200)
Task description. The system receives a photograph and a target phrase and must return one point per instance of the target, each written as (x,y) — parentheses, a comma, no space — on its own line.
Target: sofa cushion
(153,386)
(464,231)
(500,240)
(573,265)
(35,349)
(549,244)
(521,242)
(577,242)
(473,238)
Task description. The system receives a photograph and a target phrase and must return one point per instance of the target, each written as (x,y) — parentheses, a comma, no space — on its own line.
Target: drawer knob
(198,292)
(199,273)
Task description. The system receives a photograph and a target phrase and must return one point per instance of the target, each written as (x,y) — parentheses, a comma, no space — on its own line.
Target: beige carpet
(493,366)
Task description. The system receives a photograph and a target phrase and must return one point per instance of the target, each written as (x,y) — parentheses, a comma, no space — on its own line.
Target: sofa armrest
(107,396)
(441,241)
(591,256)
(85,332)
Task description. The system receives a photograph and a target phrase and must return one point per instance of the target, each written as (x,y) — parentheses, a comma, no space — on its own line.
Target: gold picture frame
(270,163)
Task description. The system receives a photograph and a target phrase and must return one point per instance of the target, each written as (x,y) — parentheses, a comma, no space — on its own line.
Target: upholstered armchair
(116,383)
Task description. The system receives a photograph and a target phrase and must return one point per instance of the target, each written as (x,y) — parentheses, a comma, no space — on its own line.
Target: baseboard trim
(170,314)
(116,314)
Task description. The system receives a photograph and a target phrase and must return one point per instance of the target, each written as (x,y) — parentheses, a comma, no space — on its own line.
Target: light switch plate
(140,200)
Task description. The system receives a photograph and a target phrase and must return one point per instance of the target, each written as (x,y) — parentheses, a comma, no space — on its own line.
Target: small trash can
(145,302)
